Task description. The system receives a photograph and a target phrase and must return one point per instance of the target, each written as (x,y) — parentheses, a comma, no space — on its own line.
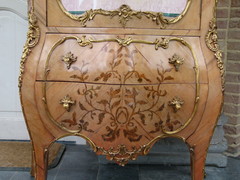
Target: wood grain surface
(122,89)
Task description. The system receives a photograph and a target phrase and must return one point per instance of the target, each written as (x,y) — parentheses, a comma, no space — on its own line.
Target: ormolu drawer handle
(176,103)
(176,61)
(67,102)
(68,59)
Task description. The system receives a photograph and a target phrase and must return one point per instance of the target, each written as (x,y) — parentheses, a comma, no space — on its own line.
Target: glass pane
(171,8)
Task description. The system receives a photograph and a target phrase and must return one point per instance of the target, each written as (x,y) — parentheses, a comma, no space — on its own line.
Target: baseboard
(14,129)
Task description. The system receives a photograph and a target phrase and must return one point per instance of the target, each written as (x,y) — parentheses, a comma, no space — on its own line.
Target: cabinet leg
(33,172)
(40,164)
(198,158)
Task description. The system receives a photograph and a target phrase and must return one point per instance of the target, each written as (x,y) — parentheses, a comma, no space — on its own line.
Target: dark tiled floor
(78,163)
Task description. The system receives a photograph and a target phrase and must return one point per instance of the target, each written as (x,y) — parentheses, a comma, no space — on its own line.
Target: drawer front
(123,114)
(122,60)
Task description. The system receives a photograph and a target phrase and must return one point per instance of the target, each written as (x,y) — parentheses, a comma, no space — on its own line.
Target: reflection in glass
(170,8)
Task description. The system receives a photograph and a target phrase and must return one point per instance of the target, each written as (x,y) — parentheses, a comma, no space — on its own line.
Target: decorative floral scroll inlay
(82,125)
(67,102)
(68,59)
(33,36)
(122,106)
(176,61)
(130,112)
(125,14)
(176,103)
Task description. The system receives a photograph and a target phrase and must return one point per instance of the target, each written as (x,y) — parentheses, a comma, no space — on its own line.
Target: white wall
(13,30)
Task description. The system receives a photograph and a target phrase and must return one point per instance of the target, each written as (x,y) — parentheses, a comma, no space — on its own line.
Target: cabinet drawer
(107,59)
(126,113)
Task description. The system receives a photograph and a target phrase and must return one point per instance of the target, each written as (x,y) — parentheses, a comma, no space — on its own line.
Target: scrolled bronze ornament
(33,36)
(176,103)
(177,61)
(125,14)
(68,59)
(122,155)
(124,42)
(67,102)
(212,43)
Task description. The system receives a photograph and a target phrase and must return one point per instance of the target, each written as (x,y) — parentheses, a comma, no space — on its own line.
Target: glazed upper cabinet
(122,75)
(131,15)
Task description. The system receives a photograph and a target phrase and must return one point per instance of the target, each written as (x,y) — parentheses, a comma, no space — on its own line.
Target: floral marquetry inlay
(117,100)
(123,107)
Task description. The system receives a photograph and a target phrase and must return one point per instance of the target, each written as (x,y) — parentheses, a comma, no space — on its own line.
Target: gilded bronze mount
(125,14)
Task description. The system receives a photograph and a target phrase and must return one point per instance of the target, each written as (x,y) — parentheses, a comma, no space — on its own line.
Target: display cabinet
(122,75)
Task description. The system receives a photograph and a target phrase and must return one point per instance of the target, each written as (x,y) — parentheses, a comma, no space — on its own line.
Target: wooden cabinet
(123,80)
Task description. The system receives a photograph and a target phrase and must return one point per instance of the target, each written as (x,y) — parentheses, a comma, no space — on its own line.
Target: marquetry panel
(122,114)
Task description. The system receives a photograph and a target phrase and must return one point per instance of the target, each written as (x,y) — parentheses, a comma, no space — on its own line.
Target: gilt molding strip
(33,36)
(125,14)
(212,43)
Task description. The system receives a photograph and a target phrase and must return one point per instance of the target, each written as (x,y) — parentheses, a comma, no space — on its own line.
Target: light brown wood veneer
(120,90)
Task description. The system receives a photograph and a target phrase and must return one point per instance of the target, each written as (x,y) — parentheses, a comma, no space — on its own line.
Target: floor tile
(22,175)
(80,163)
(233,165)
(214,173)
(79,173)
(5,175)
(157,172)
(52,173)
(233,176)
(116,172)
(72,160)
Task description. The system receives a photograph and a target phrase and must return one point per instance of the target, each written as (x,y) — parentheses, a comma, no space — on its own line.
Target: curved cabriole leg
(198,157)
(40,162)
